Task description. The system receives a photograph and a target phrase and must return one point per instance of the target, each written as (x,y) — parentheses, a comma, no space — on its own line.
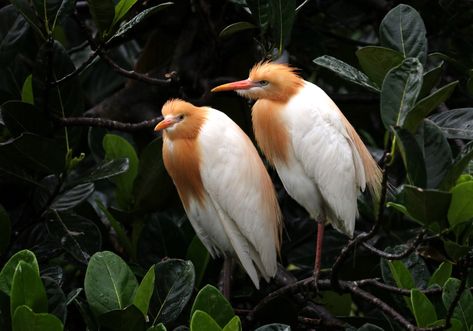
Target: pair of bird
(225,189)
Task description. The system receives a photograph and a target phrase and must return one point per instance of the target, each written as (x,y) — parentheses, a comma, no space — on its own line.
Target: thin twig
(108,124)
(411,247)
(77,71)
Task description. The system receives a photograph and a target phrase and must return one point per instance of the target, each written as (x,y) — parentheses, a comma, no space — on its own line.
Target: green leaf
(437,154)
(201,321)
(403,30)
(159,327)
(454,250)
(124,28)
(103,13)
(173,288)
(109,283)
(376,61)
(427,206)
(104,169)
(464,309)
(441,274)
(425,106)
(119,230)
(424,310)
(78,235)
(283,13)
(402,276)
(127,319)
(13,32)
(346,72)
(233,325)
(27,289)
(336,303)
(461,207)
(458,166)
(456,324)
(199,255)
(5,231)
(234,28)
(21,117)
(25,319)
(27,90)
(72,197)
(261,11)
(210,300)
(144,292)
(274,327)
(412,157)
(431,78)
(121,9)
(8,270)
(117,147)
(455,123)
(399,92)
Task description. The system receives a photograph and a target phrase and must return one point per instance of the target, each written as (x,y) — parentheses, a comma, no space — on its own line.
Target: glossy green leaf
(233,28)
(376,61)
(27,289)
(425,106)
(27,91)
(455,123)
(425,205)
(464,309)
(424,311)
(402,276)
(8,270)
(109,283)
(76,234)
(431,78)
(144,292)
(456,324)
(283,13)
(441,274)
(412,157)
(127,319)
(121,9)
(210,300)
(202,321)
(233,325)
(72,197)
(21,117)
(403,30)
(458,166)
(173,288)
(117,147)
(261,11)
(274,327)
(103,13)
(13,32)
(346,72)
(104,169)
(399,92)
(124,28)
(5,231)
(437,154)
(461,207)
(26,319)
(199,255)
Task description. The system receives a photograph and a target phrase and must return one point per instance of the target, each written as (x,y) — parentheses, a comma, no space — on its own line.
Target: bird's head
(181,119)
(267,80)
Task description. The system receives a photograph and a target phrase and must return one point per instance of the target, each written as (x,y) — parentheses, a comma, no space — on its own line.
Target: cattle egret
(321,160)
(224,187)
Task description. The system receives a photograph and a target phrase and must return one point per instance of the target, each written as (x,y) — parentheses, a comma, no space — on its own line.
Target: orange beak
(240,85)
(165,123)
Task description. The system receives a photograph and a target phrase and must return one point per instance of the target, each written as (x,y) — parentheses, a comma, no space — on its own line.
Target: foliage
(92,232)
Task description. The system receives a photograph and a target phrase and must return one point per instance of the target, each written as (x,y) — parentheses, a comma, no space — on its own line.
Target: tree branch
(108,124)
(399,256)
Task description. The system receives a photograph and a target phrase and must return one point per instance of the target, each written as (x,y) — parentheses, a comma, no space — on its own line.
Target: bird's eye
(180,117)
(263,82)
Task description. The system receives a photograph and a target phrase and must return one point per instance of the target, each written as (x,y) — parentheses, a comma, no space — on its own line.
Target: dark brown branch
(108,124)
(393,289)
(411,247)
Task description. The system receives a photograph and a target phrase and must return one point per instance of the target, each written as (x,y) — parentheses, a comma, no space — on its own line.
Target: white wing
(327,154)
(239,187)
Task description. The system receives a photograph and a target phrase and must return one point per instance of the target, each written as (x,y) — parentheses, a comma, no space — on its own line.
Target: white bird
(321,160)
(224,187)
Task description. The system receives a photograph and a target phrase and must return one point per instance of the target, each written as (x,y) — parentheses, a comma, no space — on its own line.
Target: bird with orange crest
(322,162)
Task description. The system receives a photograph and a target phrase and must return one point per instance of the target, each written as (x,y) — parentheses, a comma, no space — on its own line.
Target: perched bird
(321,160)
(224,187)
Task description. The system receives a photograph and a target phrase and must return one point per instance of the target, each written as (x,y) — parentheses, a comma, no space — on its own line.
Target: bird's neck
(270,130)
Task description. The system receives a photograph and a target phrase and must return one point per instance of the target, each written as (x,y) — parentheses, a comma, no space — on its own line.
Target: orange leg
(318,251)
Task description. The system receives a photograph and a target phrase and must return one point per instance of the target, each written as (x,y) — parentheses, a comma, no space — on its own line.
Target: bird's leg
(318,251)
(227,276)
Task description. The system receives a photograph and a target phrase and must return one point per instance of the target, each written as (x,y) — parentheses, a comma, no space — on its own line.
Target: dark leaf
(160,327)
(78,235)
(199,256)
(13,29)
(399,92)
(457,168)
(261,11)
(402,29)
(229,30)
(109,283)
(23,6)
(431,78)
(369,327)
(8,270)
(455,123)
(47,10)
(274,327)
(283,13)
(129,318)
(464,309)
(210,300)
(25,319)
(377,61)
(65,9)
(105,169)
(20,117)
(72,295)
(56,299)
(427,206)
(5,230)
(103,12)
(173,288)
(346,72)
(72,197)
